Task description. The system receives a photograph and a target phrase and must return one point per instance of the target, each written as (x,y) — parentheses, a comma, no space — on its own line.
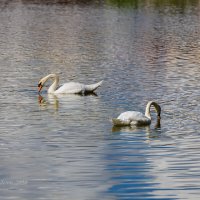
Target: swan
(135,118)
(67,88)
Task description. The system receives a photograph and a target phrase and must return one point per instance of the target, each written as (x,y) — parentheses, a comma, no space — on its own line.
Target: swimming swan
(137,118)
(67,88)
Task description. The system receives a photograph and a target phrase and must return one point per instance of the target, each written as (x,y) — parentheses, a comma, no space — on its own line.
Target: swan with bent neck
(134,118)
(67,88)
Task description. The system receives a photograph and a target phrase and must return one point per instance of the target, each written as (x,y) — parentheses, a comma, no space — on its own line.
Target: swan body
(135,118)
(67,88)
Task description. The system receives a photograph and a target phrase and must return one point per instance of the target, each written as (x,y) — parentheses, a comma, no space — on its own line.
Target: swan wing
(71,88)
(77,88)
(131,115)
(131,118)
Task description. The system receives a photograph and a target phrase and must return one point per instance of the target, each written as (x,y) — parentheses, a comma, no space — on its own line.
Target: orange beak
(39,87)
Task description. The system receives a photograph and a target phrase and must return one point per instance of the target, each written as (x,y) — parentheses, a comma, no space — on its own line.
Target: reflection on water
(53,102)
(134,128)
(53,146)
(69,99)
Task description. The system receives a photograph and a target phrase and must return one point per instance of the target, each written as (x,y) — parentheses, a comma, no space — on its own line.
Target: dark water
(65,147)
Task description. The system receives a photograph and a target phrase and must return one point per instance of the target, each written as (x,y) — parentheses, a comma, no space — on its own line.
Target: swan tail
(119,122)
(93,87)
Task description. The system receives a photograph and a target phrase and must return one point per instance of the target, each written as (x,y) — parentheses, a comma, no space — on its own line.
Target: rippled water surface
(65,147)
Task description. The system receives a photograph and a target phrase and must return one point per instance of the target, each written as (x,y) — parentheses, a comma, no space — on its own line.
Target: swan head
(44,79)
(157,108)
(40,86)
(41,83)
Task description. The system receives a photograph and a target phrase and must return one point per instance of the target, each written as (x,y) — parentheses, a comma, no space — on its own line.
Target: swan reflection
(151,132)
(51,103)
(66,100)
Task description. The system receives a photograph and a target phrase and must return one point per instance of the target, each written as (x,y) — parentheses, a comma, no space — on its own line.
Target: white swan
(67,88)
(137,118)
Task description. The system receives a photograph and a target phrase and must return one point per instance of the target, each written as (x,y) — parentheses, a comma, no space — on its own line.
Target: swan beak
(40,87)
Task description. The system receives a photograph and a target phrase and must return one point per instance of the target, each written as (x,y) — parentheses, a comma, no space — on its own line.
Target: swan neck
(148,107)
(54,85)
(147,111)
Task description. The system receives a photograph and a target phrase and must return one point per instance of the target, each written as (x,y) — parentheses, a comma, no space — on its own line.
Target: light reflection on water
(55,147)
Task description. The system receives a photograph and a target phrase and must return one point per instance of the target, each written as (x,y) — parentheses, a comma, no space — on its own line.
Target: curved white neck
(54,85)
(148,107)
(147,111)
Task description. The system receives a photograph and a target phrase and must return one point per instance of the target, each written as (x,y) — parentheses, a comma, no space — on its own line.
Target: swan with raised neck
(67,88)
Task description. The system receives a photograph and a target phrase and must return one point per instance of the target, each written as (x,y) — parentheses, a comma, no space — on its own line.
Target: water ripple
(53,146)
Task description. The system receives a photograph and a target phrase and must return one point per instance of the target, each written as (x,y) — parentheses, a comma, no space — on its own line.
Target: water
(65,147)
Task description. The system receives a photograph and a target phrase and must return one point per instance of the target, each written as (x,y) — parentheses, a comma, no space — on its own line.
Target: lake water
(65,147)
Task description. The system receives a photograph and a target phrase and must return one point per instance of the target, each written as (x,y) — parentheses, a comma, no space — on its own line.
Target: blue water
(65,147)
